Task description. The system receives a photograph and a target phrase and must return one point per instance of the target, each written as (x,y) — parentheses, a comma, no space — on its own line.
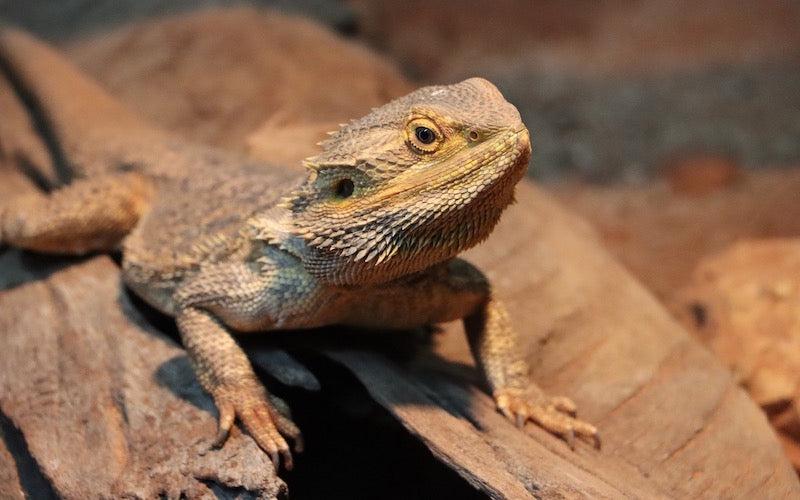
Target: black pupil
(425,135)
(344,188)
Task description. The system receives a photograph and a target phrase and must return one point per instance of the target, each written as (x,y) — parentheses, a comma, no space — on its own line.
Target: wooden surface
(105,404)
(673,422)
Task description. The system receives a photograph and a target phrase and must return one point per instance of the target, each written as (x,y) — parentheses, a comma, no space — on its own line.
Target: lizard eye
(344,188)
(423,136)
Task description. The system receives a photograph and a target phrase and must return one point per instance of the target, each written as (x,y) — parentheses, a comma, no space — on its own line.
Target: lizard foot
(266,418)
(554,414)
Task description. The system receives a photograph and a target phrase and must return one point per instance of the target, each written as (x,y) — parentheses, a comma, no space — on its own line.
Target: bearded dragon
(368,237)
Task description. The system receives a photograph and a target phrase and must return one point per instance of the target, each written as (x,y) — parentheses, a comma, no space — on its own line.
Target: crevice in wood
(33,482)
(38,117)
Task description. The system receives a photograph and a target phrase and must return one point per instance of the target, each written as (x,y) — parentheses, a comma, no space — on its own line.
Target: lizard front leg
(494,345)
(235,295)
(458,290)
(225,372)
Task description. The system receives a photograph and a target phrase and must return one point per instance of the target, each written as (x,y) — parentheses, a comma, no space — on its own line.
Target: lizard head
(411,184)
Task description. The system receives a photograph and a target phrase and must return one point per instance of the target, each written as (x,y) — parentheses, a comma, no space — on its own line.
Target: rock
(660,235)
(743,304)
(701,174)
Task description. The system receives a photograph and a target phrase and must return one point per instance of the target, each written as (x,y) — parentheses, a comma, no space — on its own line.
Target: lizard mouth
(507,156)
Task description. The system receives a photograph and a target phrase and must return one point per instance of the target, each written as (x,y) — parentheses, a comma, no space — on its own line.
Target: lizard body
(368,237)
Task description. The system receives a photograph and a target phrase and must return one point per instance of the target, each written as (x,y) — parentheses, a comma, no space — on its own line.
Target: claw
(288,461)
(275,459)
(266,419)
(226,417)
(564,405)
(220,438)
(556,415)
(570,438)
(260,424)
(596,438)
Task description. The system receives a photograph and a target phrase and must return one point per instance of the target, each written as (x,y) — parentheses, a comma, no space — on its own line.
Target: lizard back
(201,219)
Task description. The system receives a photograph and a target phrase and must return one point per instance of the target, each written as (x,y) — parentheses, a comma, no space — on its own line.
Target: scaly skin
(368,238)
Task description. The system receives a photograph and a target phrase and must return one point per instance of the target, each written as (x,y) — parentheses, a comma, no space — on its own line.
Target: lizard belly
(434,296)
(275,312)
(156,292)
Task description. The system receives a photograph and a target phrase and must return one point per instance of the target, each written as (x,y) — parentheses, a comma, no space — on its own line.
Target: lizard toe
(259,423)
(289,429)
(555,415)
(280,406)
(564,405)
(227,414)
(265,417)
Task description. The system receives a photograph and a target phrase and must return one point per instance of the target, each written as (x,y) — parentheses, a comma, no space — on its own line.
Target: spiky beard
(392,242)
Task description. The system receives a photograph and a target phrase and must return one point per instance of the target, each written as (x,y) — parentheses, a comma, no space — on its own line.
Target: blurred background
(611,90)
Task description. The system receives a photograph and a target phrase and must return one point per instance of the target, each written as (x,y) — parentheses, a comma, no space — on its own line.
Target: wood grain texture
(673,422)
(107,405)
